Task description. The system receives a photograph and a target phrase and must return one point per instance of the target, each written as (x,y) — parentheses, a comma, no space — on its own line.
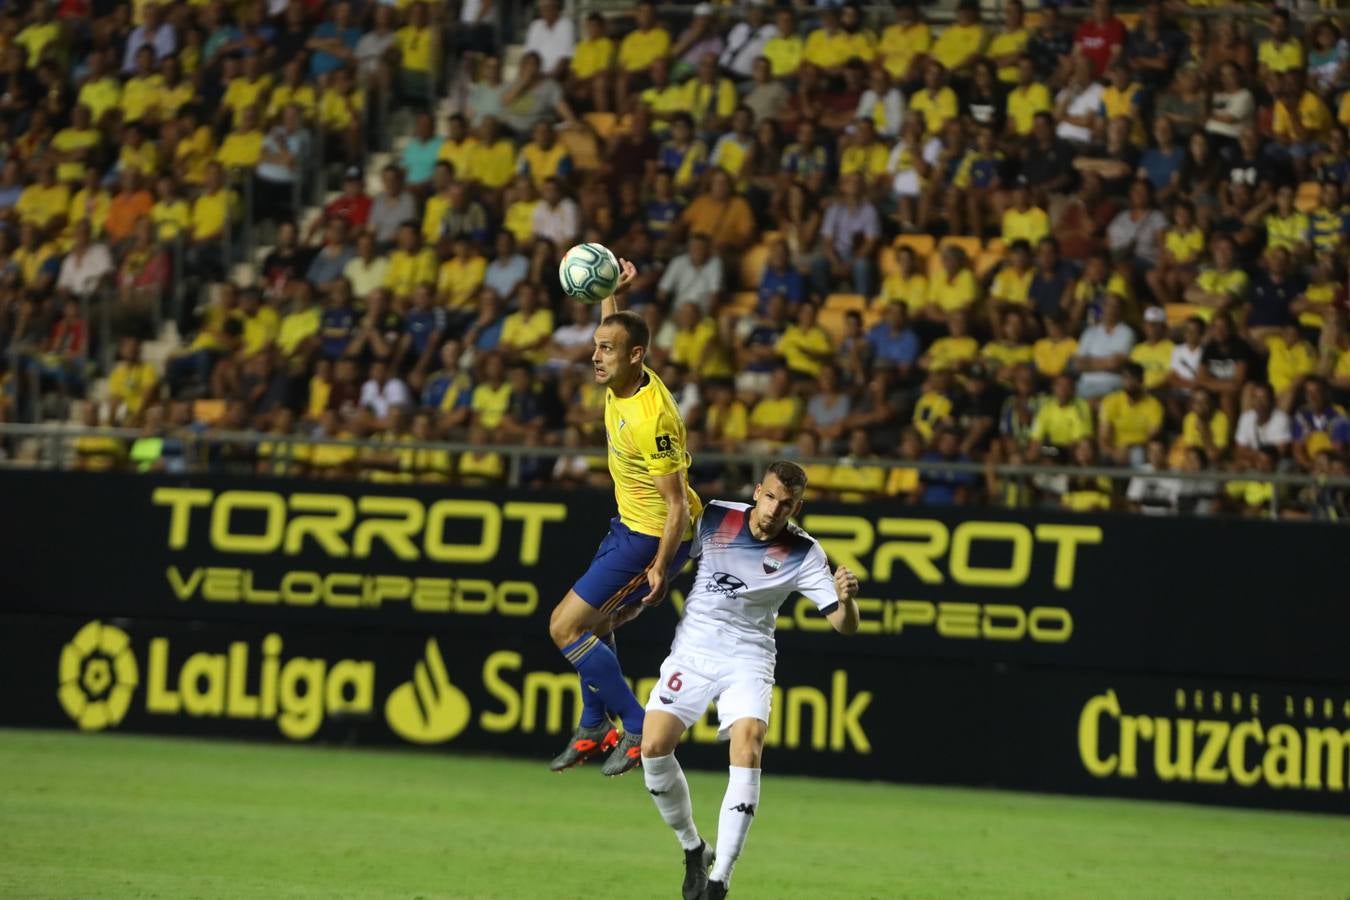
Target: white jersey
(740,584)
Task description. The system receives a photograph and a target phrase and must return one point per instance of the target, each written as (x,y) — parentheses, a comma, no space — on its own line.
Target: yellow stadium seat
(604,123)
(583,147)
(986,263)
(208,412)
(1309,196)
(744,301)
(871,316)
(832,320)
(995,245)
(886,262)
(921,244)
(1128,19)
(753,262)
(1178,313)
(970,244)
(845,302)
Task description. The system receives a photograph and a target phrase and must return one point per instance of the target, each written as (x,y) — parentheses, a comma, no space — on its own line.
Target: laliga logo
(97,676)
(428,709)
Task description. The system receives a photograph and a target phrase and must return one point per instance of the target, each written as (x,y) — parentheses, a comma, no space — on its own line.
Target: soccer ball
(589,272)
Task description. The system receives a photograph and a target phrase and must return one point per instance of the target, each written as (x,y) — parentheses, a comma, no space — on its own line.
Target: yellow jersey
(646,439)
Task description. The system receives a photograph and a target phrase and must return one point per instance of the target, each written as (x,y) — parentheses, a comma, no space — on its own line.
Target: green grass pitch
(121,816)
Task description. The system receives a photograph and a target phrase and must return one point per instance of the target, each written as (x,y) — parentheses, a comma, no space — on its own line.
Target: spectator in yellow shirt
(831,46)
(1154,353)
(1010,352)
(1179,262)
(905,44)
(959,44)
(195,149)
(410,264)
(774,419)
(1027,98)
(1281,52)
(137,154)
(141,92)
(460,276)
(44,203)
(132,381)
(1206,426)
(954,350)
(247,90)
(1052,353)
(1289,360)
(526,332)
(641,47)
(90,204)
(1300,123)
(101,91)
(1129,419)
(418,46)
(907,284)
(953,286)
(935,103)
(292,90)
(1062,420)
(341,108)
(784,51)
(1222,286)
(588,77)
(243,146)
(709,98)
(494,161)
(72,145)
(43,32)
(804,345)
(1012,282)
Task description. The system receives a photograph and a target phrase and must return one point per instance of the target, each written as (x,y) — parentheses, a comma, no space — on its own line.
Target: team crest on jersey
(773,560)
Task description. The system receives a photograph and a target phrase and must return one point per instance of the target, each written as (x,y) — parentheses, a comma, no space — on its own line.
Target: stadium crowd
(1087,237)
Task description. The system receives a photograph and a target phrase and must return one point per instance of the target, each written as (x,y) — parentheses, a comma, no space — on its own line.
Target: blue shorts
(618,574)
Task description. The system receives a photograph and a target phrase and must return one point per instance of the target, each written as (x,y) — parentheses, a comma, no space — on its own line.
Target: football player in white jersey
(750,560)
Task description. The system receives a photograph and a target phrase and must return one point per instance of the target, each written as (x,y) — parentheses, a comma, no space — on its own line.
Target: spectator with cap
(1154,353)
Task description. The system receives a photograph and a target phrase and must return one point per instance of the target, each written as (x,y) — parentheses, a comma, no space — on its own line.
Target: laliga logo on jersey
(723,583)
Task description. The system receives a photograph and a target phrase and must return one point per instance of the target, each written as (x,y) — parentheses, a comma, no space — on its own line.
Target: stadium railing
(50,446)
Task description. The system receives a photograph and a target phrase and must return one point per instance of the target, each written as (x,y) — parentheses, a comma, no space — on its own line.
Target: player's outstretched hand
(845,582)
(627,272)
(656,580)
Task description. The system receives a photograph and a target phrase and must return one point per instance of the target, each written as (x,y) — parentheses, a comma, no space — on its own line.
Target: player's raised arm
(611,304)
(845,616)
(673,490)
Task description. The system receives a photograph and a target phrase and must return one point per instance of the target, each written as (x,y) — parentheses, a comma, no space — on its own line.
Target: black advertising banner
(1231,741)
(1185,597)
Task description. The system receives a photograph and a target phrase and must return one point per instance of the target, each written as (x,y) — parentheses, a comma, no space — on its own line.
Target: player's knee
(563,627)
(747,743)
(656,745)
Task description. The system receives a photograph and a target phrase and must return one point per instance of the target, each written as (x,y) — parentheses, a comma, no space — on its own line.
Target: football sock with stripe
(598,666)
(592,707)
(739,806)
(669,789)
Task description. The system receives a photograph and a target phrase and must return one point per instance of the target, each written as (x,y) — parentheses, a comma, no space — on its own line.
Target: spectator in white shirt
(1185,367)
(153,33)
(882,103)
(746,40)
(383,394)
(553,37)
(572,344)
(556,217)
(1102,351)
(86,266)
(693,277)
(1263,427)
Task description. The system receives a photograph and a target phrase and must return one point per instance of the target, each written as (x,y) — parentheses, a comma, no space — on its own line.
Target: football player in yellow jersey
(647,543)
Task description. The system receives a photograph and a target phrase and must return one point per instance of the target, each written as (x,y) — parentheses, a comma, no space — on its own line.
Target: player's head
(778,497)
(620,348)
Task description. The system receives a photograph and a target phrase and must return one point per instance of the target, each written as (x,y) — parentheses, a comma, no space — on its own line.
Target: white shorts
(687,686)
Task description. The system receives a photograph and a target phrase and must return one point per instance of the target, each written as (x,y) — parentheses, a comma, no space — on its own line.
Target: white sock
(669,789)
(739,806)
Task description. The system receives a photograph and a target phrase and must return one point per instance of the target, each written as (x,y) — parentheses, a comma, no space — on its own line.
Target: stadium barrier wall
(1197,661)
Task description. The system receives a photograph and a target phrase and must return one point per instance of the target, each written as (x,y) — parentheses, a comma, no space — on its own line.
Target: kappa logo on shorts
(723,583)
(666,700)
